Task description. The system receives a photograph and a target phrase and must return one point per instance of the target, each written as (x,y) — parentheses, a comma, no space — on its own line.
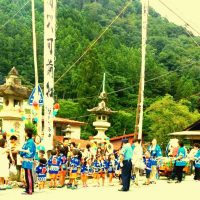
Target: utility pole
(145,7)
(36,96)
(137,116)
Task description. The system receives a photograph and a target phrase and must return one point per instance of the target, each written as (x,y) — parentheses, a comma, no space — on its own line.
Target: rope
(126,88)
(185,22)
(15,14)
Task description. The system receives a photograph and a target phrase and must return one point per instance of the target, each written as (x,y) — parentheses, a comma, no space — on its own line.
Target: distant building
(191,133)
(117,141)
(60,125)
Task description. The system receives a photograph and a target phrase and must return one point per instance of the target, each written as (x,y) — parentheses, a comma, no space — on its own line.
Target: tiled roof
(80,142)
(122,136)
(68,121)
(63,120)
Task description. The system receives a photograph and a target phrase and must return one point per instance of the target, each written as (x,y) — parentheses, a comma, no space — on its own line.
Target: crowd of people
(67,164)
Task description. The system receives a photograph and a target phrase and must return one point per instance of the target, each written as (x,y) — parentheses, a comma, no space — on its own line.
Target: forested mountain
(172,65)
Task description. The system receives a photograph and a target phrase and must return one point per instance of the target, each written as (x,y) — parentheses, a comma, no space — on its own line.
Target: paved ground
(186,190)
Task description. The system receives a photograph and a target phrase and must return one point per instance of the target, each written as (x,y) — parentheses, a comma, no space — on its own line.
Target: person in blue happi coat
(179,164)
(148,167)
(127,153)
(54,164)
(74,169)
(112,167)
(63,168)
(156,153)
(28,153)
(97,168)
(41,171)
(197,162)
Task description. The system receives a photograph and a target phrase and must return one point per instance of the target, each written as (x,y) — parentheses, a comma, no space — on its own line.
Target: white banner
(49,55)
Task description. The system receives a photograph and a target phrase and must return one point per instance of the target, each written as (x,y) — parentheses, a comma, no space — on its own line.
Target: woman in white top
(4,164)
(137,160)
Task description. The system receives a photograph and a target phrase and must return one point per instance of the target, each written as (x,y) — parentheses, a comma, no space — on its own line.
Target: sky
(189,10)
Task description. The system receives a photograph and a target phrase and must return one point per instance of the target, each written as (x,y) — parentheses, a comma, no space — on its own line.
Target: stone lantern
(102,113)
(13,94)
(67,132)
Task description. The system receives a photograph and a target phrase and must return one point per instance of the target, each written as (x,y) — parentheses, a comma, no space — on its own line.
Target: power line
(15,14)
(94,42)
(185,22)
(130,87)
(188,32)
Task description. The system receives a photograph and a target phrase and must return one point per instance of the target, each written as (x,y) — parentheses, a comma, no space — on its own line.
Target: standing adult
(127,153)
(137,160)
(191,158)
(197,162)
(156,153)
(66,145)
(4,164)
(27,153)
(87,152)
(179,164)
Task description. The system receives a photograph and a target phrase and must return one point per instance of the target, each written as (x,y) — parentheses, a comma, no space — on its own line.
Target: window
(59,131)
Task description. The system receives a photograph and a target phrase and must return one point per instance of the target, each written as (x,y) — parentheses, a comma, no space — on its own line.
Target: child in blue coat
(84,172)
(112,167)
(63,167)
(74,167)
(148,163)
(54,165)
(41,171)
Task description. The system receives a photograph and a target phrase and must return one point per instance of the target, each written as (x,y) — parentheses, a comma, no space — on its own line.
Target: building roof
(68,121)
(192,130)
(122,136)
(186,133)
(63,121)
(194,126)
(81,143)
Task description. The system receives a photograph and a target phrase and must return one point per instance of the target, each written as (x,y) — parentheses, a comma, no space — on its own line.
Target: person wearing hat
(127,153)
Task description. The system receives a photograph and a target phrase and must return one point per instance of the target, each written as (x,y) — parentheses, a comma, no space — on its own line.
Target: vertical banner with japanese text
(49,56)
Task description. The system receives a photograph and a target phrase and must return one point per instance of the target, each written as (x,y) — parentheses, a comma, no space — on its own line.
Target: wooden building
(117,141)
(191,133)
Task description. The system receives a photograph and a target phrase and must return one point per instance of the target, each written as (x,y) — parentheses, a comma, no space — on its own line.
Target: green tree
(167,116)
